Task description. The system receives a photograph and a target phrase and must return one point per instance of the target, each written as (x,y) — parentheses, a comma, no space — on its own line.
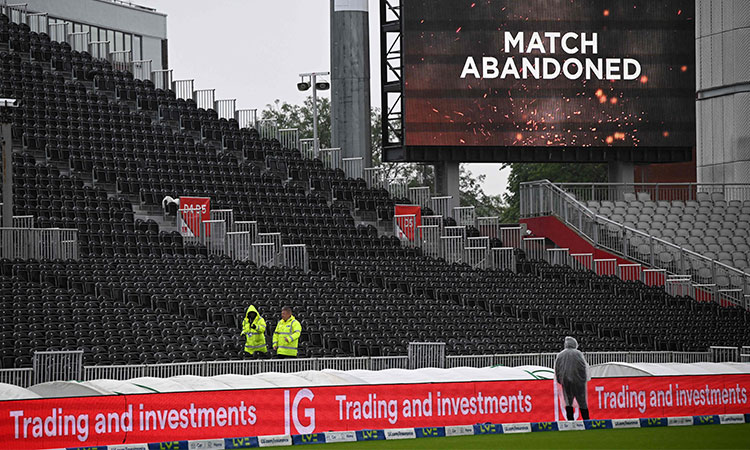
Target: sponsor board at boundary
(421,433)
(407,410)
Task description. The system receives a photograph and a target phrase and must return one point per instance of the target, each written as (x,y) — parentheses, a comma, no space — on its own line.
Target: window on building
(111,38)
(118,44)
(128,42)
(94,33)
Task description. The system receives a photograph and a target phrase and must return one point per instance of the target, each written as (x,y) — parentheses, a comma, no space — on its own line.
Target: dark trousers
(279,356)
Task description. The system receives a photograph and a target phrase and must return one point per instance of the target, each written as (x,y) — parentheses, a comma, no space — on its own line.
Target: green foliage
(556,172)
(301,117)
(472,194)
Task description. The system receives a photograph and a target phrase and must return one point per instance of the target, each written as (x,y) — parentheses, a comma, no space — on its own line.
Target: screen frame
(399,151)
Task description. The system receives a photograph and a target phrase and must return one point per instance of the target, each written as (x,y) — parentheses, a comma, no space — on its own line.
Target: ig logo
(294,409)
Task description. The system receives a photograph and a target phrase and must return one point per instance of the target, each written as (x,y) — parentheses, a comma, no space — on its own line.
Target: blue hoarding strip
(706,420)
(598,424)
(304,439)
(544,426)
(171,445)
(747,418)
(241,443)
(654,422)
(426,432)
(487,428)
(371,435)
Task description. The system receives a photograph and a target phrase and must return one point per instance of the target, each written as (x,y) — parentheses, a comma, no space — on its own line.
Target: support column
(7,176)
(350,79)
(621,172)
(447,179)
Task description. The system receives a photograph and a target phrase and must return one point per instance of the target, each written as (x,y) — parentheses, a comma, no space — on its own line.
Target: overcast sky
(254,51)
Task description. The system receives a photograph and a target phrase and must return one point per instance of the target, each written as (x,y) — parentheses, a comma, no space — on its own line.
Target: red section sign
(408,218)
(89,421)
(193,211)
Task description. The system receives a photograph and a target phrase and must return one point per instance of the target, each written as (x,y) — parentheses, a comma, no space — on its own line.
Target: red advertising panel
(90,421)
(408,218)
(193,211)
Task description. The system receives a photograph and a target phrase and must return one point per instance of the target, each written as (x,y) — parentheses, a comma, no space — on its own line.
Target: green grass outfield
(693,437)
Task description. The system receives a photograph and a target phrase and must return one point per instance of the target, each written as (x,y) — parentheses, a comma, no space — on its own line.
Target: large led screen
(482,74)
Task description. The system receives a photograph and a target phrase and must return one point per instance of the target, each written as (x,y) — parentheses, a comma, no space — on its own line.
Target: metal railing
(268,128)
(657,191)
(99,49)
(331,157)
(239,245)
(295,256)
(162,79)
(122,60)
(39,243)
(23,221)
(308,149)
(54,366)
(353,167)
(289,138)
(58,32)
(226,108)
(142,69)
(246,118)
(57,365)
(465,215)
(79,41)
(204,98)
(441,206)
(38,22)
(183,89)
(543,198)
(420,195)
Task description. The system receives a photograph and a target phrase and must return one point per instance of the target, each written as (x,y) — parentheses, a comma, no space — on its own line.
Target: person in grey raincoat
(572,372)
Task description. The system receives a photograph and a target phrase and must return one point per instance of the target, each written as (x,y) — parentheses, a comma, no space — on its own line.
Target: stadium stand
(99,150)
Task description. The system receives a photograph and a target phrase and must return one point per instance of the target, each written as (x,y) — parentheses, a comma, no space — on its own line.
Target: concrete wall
(151,25)
(723,84)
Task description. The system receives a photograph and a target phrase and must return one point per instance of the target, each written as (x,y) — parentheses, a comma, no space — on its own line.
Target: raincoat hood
(250,309)
(570,342)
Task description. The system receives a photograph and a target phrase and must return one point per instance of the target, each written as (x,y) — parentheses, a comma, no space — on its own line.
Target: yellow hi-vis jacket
(255,332)
(286,336)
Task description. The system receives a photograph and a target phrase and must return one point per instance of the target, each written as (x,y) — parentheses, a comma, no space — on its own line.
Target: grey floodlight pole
(302,86)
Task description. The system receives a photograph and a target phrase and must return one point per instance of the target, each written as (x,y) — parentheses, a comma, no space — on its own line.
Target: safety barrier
(79,41)
(433,220)
(204,98)
(227,215)
(558,256)
(426,354)
(308,149)
(122,60)
(420,195)
(17,377)
(353,167)
(582,261)
(629,272)
(213,236)
(511,236)
(489,226)
(58,32)
(289,138)
(183,89)
(295,256)
(428,239)
(239,245)
(482,241)
(465,215)
(57,365)
(264,254)
(477,257)
(605,267)
(162,79)
(226,108)
(398,189)
(246,118)
(17,13)
(142,69)
(504,259)
(678,286)
(268,128)
(455,231)
(99,49)
(374,177)
(39,243)
(654,277)
(38,22)
(23,221)
(188,222)
(655,191)
(724,354)
(331,157)
(250,226)
(272,238)
(453,249)
(704,292)
(534,248)
(441,206)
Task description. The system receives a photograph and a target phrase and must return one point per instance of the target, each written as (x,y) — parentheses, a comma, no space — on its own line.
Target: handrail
(537,207)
